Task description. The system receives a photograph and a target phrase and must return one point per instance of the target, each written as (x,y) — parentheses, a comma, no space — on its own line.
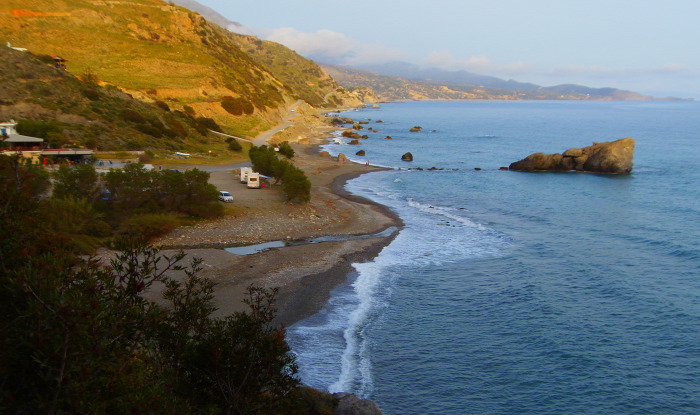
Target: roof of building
(18,138)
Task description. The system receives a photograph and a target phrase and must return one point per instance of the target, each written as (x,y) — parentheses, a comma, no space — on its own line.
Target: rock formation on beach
(349,404)
(613,157)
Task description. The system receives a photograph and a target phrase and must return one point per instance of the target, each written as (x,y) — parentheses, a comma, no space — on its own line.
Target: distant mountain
(469,82)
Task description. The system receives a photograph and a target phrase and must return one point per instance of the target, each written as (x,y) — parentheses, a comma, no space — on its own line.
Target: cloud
(479,64)
(321,43)
(329,46)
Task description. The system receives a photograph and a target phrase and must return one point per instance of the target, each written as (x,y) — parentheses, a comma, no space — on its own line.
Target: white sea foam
(335,354)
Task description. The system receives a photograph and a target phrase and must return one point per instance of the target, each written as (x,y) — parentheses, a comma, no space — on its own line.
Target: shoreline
(305,274)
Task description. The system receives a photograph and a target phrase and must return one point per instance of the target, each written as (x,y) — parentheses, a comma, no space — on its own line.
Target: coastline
(304,273)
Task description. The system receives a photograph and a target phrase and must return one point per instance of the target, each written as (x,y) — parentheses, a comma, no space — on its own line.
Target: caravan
(253,180)
(245,171)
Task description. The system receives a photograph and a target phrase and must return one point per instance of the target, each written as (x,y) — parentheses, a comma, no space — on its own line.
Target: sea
(520,293)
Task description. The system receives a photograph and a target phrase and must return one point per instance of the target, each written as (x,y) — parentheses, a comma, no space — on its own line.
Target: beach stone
(388,137)
(379,121)
(357,126)
(324,154)
(354,142)
(349,404)
(477,168)
(360,153)
(416,129)
(407,157)
(503,168)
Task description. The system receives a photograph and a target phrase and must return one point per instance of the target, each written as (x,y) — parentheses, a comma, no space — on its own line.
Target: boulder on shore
(407,157)
(613,157)
(349,404)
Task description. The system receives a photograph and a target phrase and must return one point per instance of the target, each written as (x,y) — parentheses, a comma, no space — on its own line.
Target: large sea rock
(613,157)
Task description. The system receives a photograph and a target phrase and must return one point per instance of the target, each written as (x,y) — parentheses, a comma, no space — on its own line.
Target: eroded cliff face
(612,157)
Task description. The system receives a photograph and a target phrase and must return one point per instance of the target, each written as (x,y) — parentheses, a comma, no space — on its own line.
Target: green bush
(91,94)
(133,116)
(148,226)
(233,144)
(162,105)
(37,128)
(286,150)
(150,130)
(208,123)
(77,181)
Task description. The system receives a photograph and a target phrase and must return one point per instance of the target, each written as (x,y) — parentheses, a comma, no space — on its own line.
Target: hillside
(72,112)
(154,51)
(305,78)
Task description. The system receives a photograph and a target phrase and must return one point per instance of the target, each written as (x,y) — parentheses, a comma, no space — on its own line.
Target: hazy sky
(642,45)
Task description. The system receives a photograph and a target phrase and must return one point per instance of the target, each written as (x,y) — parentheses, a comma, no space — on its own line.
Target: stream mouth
(266,246)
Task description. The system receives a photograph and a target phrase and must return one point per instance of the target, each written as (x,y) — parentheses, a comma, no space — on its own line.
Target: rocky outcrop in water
(613,157)
(407,157)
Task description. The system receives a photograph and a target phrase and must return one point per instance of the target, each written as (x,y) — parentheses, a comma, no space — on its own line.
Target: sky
(645,46)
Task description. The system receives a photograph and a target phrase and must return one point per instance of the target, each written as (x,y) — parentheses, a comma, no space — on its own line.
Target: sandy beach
(305,273)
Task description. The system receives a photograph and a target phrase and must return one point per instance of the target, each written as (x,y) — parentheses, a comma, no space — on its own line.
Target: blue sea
(521,293)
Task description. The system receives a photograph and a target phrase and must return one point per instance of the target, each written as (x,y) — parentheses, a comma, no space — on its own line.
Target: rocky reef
(612,157)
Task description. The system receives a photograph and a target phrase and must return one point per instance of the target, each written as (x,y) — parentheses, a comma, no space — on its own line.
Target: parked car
(225,196)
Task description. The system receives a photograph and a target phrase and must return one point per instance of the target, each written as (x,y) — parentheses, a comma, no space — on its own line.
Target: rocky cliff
(613,157)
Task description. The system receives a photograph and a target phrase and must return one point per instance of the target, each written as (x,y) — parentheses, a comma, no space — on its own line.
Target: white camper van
(245,171)
(253,180)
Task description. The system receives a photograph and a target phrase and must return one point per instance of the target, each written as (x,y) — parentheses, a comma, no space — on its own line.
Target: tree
(295,185)
(78,181)
(286,150)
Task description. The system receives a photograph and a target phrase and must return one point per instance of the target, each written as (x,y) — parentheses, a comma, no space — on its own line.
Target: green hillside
(158,51)
(68,111)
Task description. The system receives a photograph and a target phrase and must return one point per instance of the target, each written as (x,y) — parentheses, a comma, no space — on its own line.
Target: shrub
(91,94)
(148,226)
(286,150)
(189,110)
(208,123)
(36,128)
(150,130)
(133,116)
(233,144)
(79,181)
(162,105)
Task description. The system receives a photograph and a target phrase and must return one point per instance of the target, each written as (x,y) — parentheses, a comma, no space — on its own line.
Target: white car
(225,196)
